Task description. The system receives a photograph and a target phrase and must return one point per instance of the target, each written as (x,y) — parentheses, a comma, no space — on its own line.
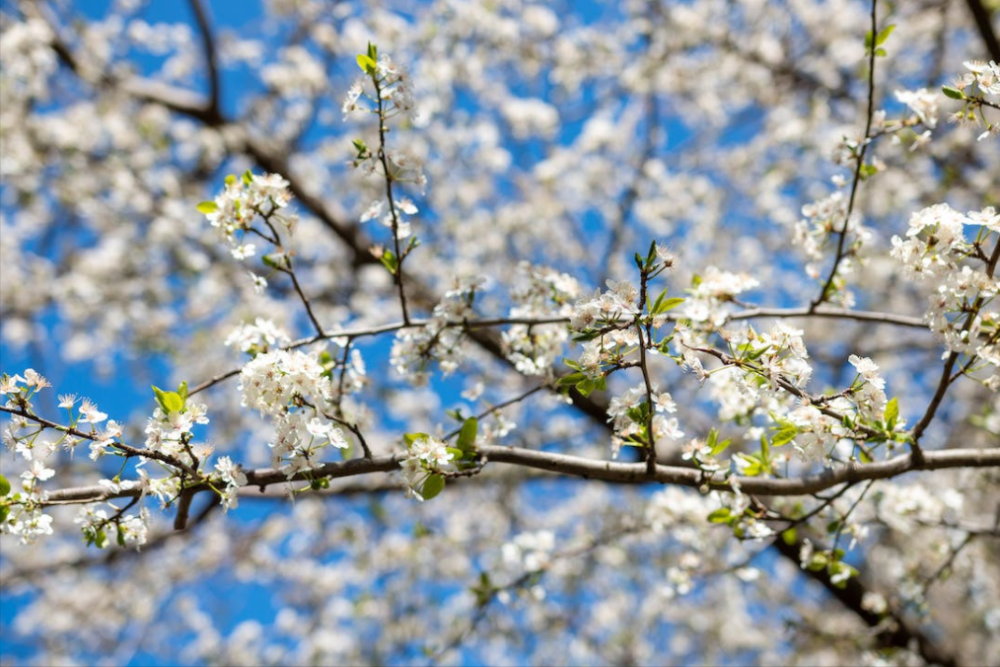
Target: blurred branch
(208,48)
(609,471)
(984,23)
(892,629)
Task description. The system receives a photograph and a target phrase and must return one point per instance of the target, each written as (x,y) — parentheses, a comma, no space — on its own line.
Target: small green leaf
(207,207)
(99,539)
(467,436)
(411,438)
(817,562)
(716,447)
(230,179)
(790,536)
(389,261)
(121,537)
(572,379)
(884,34)
(366,64)
(785,434)
(880,52)
(668,304)
(953,93)
(4,512)
(170,401)
(432,487)
(274,260)
(247,177)
(372,51)
(721,515)
(658,300)
(891,413)
(4,486)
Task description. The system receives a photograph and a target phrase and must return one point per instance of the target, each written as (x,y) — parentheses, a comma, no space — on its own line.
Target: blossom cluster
(233,476)
(441,338)
(629,414)
(21,512)
(387,81)
(426,458)
(258,337)
(606,322)
(820,220)
(707,304)
(543,292)
(241,202)
(295,390)
(171,431)
(972,87)
(387,216)
(385,90)
(962,304)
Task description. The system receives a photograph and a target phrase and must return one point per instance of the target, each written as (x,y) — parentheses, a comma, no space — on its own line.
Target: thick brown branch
(893,631)
(608,471)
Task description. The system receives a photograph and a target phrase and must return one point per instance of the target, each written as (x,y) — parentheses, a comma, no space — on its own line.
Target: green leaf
(790,536)
(721,515)
(207,207)
(467,436)
(658,300)
(884,33)
(891,413)
(372,51)
(817,562)
(411,438)
(247,177)
(572,379)
(719,446)
(4,512)
(432,487)
(4,486)
(667,304)
(230,179)
(753,465)
(389,261)
(953,93)
(881,53)
(587,334)
(274,260)
(785,434)
(121,537)
(366,64)
(170,401)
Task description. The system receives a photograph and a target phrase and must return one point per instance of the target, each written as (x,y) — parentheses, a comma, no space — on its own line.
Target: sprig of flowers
(387,88)
(974,89)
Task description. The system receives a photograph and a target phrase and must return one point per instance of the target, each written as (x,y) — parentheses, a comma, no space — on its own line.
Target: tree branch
(608,471)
